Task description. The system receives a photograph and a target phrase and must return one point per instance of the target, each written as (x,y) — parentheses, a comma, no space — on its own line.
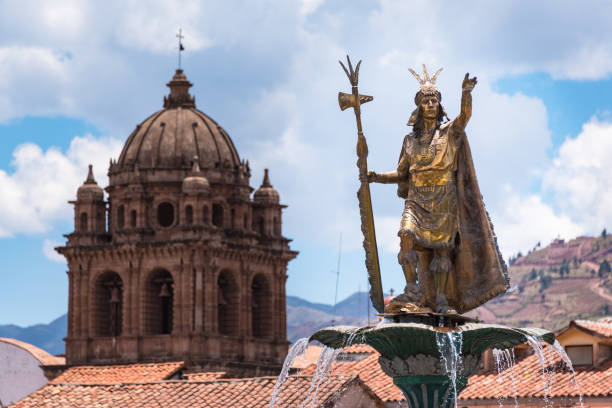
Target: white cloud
(580,177)
(35,194)
(49,251)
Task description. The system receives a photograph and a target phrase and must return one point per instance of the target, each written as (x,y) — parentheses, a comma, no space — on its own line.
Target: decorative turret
(196,183)
(179,92)
(90,190)
(266,194)
(90,208)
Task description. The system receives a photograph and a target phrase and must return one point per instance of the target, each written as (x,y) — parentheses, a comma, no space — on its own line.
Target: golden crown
(428,85)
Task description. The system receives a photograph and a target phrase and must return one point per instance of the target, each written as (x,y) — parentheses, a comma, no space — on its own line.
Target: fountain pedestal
(430,364)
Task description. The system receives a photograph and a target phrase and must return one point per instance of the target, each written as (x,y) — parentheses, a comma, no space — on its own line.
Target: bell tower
(191,267)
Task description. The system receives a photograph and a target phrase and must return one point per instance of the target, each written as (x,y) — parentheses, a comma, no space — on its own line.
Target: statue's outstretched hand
(468,83)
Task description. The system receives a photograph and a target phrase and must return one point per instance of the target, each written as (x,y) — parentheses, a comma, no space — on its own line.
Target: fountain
(448,253)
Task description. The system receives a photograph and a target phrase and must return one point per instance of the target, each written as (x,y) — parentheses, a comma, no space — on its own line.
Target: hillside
(552,285)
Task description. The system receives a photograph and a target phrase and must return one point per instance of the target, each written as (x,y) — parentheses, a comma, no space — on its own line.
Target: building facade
(179,262)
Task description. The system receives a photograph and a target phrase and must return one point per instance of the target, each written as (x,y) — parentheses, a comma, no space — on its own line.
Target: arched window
(189,215)
(277,227)
(245,221)
(107,305)
(159,298)
(227,304)
(261,307)
(217,215)
(133,218)
(205,215)
(83,226)
(121,216)
(165,214)
(261,226)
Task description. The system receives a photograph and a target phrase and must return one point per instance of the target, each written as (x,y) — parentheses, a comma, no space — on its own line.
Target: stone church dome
(171,137)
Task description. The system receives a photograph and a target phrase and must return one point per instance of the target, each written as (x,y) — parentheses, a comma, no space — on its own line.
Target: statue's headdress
(428,88)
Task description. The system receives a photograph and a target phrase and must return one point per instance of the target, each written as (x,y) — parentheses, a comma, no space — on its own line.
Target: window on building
(159,302)
(261,307)
(580,355)
(189,215)
(217,215)
(83,222)
(108,305)
(261,227)
(233,216)
(133,218)
(165,214)
(245,221)
(121,216)
(277,227)
(205,215)
(227,304)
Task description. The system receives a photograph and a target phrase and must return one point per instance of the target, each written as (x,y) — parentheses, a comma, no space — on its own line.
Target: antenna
(337,279)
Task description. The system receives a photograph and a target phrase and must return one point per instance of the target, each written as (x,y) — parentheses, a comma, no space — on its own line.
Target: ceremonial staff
(355,100)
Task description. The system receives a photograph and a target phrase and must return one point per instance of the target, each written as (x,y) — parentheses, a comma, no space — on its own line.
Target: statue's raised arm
(466,102)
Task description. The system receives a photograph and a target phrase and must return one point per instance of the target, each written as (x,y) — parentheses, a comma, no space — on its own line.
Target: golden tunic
(430,212)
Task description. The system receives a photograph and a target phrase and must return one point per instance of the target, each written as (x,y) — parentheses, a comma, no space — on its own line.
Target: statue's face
(429,107)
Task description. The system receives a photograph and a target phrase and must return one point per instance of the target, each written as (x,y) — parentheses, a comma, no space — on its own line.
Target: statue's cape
(479,271)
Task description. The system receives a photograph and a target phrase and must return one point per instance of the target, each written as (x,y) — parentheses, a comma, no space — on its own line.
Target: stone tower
(179,263)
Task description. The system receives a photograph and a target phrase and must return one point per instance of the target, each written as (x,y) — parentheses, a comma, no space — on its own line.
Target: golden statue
(448,250)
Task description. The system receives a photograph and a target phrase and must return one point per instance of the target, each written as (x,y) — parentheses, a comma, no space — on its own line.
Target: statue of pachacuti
(448,252)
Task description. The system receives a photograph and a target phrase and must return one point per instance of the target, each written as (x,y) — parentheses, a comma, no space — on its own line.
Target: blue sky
(77,76)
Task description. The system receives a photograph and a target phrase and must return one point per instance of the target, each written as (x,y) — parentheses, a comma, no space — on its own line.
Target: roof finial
(90,177)
(180,37)
(266,179)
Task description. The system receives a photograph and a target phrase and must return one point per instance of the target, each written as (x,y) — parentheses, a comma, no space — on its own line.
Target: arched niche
(159,302)
(228,313)
(107,305)
(261,307)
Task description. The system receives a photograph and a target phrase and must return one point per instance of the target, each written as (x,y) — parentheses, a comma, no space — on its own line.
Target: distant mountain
(48,337)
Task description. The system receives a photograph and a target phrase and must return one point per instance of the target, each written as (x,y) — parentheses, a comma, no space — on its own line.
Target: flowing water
(297,349)
(504,365)
(561,352)
(536,345)
(449,345)
(325,365)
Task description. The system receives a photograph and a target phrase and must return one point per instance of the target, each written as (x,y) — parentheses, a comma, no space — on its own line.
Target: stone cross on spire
(180,37)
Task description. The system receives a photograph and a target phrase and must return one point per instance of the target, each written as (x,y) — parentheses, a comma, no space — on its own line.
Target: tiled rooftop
(235,393)
(601,327)
(117,374)
(525,381)
(204,376)
(368,370)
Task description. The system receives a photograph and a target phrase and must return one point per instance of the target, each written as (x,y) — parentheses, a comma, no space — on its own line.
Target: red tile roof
(41,355)
(602,328)
(235,393)
(593,382)
(204,376)
(368,370)
(117,374)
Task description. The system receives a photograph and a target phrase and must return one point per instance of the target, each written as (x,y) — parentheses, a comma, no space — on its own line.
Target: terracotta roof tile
(118,374)
(204,376)
(367,369)
(235,393)
(601,327)
(593,382)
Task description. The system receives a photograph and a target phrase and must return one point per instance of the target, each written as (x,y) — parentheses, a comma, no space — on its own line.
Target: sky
(76,77)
